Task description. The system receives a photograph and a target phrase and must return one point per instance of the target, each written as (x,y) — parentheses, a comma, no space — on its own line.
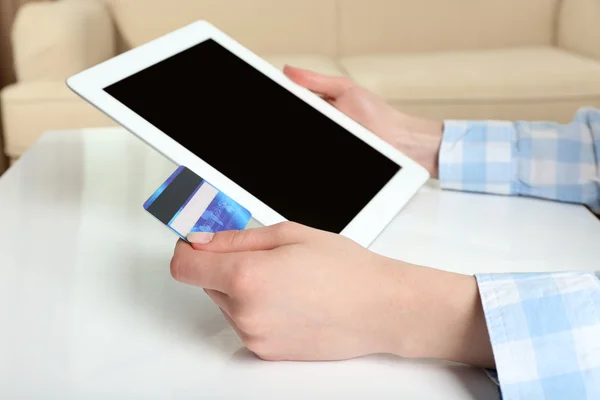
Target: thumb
(327,86)
(267,238)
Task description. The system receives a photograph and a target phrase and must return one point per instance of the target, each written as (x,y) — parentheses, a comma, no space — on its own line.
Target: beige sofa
(505,59)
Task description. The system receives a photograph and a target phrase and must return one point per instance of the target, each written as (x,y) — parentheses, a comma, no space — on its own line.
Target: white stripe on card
(194,209)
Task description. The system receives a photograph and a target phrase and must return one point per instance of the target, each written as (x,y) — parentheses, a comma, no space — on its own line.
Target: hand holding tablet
(280,151)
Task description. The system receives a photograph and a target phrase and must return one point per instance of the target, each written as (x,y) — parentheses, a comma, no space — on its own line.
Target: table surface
(88,309)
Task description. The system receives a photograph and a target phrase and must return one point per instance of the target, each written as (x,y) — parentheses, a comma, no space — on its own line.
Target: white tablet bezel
(363,228)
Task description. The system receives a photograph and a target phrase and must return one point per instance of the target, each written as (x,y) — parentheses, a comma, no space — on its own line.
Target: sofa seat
(519,78)
(508,74)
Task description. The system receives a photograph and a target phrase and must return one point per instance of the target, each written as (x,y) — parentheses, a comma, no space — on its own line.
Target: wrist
(437,314)
(421,140)
(432,141)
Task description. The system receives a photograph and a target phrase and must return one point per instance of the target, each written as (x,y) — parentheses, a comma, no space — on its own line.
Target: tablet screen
(265,139)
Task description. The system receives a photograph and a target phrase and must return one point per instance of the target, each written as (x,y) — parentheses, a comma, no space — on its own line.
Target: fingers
(327,86)
(227,262)
(208,270)
(267,238)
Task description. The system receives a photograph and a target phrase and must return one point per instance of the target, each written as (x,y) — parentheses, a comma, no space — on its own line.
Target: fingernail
(200,237)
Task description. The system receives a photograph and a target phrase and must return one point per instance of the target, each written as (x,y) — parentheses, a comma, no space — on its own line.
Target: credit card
(187,203)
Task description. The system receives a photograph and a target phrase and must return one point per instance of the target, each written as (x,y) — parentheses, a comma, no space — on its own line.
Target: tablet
(205,101)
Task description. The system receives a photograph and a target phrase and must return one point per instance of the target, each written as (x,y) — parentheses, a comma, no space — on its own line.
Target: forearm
(535,330)
(443,319)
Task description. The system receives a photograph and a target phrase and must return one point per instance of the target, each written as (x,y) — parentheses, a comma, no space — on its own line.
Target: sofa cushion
(321,64)
(508,74)
(54,40)
(264,26)
(578,27)
(31,108)
(376,26)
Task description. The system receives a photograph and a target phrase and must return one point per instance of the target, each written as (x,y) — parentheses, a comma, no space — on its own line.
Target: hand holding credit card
(186,203)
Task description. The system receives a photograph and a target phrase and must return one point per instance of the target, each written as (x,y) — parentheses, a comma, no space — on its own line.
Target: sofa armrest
(54,40)
(579,27)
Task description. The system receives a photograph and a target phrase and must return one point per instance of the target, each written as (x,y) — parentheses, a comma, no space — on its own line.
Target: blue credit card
(187,203)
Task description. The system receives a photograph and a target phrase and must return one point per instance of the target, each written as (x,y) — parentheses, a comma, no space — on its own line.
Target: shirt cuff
(544,331)
(479,156)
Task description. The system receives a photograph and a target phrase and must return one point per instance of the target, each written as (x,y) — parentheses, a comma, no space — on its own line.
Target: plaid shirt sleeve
(540,159)
(544,328)
(545,334)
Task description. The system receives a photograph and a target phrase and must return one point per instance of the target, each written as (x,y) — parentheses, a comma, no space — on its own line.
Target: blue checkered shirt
(539,159)
(544,328)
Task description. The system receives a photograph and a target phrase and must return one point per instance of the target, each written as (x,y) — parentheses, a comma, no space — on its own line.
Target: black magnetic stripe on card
(175,195)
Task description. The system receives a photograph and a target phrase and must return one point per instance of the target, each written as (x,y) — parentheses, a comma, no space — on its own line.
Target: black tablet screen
(273,144)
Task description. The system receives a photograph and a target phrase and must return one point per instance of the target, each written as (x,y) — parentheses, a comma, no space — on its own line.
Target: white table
(88,309)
